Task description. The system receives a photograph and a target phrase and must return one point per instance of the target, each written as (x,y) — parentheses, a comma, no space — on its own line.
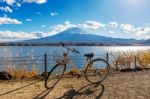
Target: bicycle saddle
(89,55)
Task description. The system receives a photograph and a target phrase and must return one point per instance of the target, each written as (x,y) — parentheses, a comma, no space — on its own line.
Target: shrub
(144,59)
(21,73)
(127,59)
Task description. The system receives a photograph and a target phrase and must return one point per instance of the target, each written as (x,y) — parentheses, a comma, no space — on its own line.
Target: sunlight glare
(132,3)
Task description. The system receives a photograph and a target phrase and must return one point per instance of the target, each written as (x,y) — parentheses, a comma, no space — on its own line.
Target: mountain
(146,42)
(78,35)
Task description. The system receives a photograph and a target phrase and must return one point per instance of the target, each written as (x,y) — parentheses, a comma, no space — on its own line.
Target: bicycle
(95,71)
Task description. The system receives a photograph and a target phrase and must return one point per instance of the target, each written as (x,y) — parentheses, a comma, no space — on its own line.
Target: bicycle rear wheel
(54,75)
(97,71)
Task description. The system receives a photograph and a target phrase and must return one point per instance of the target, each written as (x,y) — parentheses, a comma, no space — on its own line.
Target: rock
(138,69)
(130,69)
(5,76)
(126,70)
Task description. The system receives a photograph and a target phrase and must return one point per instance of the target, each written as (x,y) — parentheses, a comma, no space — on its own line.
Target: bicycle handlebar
(73,49)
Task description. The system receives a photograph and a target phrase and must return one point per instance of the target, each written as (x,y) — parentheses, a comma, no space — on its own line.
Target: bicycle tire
(88,70)
(47,85)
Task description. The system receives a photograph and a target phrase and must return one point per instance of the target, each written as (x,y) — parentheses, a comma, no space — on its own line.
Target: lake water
(15,55)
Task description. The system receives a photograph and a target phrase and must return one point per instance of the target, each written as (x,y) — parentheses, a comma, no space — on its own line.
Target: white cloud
(143,32)
(24,35)
(113,25)
(18,4)
(35,1)
(111,32)
(53,13)
(43,26)
(6,9)
(17,35)
(128,32)
(29,20)
(60,27)
(5,15)
(38,13)
(5,20)
(9,2)
(128,28)
(131,30)
(92,25)
(67,22)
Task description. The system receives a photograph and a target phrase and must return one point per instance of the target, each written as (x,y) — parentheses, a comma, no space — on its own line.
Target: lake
(20,55)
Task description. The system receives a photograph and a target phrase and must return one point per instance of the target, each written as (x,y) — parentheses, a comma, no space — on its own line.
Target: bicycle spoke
(98,71)
(54,76)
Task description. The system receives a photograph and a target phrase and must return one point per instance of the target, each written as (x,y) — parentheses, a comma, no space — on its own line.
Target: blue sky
(28,19)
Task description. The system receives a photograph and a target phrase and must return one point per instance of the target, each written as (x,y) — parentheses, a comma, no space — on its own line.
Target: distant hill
(146,42)
(78,35)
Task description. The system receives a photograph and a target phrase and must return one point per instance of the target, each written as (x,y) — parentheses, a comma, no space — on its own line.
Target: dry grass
(20,73)
(144,59)
(71,71)
(127,59)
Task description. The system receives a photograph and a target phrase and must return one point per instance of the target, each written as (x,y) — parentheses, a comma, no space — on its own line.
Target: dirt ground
(133,85)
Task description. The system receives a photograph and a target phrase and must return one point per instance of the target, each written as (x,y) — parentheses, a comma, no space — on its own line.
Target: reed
(144,59)
(22,72)
(127,59)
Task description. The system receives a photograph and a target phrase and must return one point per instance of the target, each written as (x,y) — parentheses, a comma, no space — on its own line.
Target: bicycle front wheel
(97,71)
(54,75)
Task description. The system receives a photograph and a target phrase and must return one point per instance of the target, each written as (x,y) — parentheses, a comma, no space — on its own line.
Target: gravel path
(133,85)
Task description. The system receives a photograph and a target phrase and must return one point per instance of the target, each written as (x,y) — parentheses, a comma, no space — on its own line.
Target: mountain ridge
(78,35)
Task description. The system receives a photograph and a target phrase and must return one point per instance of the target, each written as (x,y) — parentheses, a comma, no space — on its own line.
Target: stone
(5,76)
